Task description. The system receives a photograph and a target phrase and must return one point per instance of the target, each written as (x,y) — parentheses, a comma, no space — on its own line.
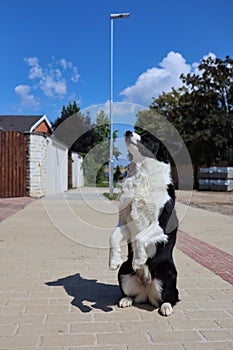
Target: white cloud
(65,64)
(196,64)
(122,112)
(75,76)
(210,54)
(74,70)
(53,87)
(35,70)
(52,79)
(158,79)
(26,98)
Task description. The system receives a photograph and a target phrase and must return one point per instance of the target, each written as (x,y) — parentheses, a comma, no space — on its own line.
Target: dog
(148,222)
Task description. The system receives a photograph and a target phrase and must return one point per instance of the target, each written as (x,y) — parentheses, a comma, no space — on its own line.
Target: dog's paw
(166,309)
(138,263)
(115,264)
(126,302)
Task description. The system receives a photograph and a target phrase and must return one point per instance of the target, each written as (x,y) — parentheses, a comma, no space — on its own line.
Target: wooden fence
(13,164)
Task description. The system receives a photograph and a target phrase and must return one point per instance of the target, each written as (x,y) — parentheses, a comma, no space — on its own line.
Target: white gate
(57,167)
(77,170)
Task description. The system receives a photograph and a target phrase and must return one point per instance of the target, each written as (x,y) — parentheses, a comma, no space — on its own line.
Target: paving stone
(207,315)
(139,326)
(123,338)
(52,328)
(7,330)
(95,327)
(67,340)
(193,324)
(218,335)
(69,318)
(209,346)
(154,347)
(19,341)
(160,337)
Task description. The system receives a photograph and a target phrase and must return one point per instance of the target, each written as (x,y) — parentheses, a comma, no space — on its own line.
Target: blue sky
(54,52)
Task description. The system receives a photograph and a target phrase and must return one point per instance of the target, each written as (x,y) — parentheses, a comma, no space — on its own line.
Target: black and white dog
(147,220)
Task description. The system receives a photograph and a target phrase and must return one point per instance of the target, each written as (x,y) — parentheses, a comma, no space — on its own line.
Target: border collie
(148,222)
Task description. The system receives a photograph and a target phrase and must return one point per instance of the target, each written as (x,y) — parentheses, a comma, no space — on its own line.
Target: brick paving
(214,259)
(57,294)
(10,206)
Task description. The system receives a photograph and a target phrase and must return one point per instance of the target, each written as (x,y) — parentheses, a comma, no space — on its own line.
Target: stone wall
(47,171)
(37,165)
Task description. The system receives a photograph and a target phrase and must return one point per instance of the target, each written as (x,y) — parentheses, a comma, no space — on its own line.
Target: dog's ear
(162,151)
(151,145)
(168,150)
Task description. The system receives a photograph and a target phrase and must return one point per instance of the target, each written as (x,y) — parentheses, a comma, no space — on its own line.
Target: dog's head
(145,145)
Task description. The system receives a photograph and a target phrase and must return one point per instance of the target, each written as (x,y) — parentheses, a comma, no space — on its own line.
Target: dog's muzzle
(132,137)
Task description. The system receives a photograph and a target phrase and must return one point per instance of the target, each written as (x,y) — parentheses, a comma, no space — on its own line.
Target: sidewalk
(57,292)
(10,206)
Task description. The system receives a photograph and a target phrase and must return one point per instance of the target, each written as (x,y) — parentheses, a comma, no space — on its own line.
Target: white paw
(126,302)
(166,309)
(115,264)
(138,263)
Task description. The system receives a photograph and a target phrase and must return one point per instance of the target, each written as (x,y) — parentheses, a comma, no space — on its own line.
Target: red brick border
(10,206)
(214,259)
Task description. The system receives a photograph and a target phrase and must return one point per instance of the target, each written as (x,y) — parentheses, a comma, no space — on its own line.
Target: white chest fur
(145,188)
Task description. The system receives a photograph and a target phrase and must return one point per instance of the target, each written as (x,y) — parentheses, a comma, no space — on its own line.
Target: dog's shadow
(89,291)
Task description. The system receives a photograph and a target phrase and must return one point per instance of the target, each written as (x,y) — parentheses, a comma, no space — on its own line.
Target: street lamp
(111,182)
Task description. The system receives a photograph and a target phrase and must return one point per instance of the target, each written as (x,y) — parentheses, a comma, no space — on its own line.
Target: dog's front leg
(121,233)
(150,235)
(139,245)
(140,255)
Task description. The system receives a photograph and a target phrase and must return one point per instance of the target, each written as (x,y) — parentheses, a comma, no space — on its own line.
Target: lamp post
(111,182)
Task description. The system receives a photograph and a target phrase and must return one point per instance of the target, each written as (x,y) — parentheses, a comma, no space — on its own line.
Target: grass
(101,184)
(111,198)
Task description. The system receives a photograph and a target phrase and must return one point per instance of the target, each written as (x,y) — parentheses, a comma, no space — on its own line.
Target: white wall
(77,170)
(47,166)
(57,167)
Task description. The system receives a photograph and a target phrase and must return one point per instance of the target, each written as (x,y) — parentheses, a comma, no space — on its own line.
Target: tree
(91,140)
(98,156)
(210,111)
(117,174)
(66,112)
(202,111)
(74,129)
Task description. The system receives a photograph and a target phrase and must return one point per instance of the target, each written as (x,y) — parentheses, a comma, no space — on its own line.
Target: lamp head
(119,15)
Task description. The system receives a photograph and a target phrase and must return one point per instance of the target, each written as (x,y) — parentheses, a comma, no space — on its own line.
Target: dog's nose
(128,133)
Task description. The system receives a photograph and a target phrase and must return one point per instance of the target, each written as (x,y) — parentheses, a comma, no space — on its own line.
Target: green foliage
(66,112)
(117,174)
(98,155)
(90,169)
(202,111)
(74,129)
(100,175)
(93,140)
(114,197)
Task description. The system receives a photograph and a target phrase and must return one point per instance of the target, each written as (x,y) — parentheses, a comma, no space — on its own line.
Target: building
(32,161)
(25,123)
